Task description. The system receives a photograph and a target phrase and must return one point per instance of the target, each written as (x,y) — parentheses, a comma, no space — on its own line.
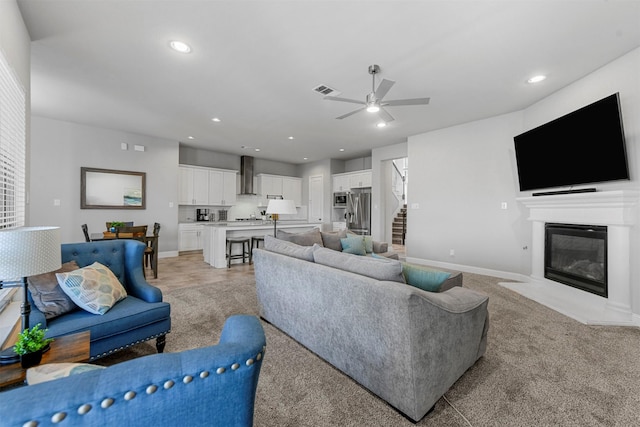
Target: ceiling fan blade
(335,98)
(351,113)
(385,116)
(414,101)
(383,88)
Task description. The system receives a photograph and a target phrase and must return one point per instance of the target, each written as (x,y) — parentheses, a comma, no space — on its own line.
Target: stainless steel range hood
(246,175)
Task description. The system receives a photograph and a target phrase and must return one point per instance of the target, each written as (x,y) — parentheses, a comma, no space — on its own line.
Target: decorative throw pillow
(289,248)
(47,294)
(423,277)
(368,244)
(53,371)
(380,269)
(353,245)
(331,239)
(93,288)
(308,238)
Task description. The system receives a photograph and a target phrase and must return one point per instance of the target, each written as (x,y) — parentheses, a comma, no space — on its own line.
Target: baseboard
(168,254)
(470,269)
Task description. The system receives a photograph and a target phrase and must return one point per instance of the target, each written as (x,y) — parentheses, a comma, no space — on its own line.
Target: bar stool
(256,240)
(245,250)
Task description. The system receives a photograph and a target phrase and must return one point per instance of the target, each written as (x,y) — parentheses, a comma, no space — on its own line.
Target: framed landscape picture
(111,189)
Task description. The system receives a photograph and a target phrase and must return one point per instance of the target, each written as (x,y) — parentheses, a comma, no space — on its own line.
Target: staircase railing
(399,178)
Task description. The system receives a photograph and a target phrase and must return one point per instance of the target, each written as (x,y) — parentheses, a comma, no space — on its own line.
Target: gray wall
(215,159)
(60,149)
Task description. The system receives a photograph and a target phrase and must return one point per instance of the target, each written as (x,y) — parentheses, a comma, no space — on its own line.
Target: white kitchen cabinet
(292,189)
(349,180)
(340,182)
(289,187)
(194,186)
(222,188)
(360,179)
(190,237)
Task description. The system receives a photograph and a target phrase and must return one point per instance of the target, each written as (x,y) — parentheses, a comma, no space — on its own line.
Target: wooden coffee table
(68,348)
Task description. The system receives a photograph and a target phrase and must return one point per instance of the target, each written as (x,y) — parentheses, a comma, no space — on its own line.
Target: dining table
(147,239)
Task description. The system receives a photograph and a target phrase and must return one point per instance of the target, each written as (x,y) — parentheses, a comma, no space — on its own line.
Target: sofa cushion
(291,249)
(376,268)
(93,288)
(47,294)
(331,239)
(423,277)
(353,245)
(308,238)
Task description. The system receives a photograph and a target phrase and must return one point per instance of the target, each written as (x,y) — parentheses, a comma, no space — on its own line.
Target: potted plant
(30,346)
(115,225)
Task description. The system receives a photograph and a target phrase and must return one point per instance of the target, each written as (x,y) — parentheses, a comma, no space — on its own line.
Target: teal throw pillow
(353,245)
(424,278)
(368,244)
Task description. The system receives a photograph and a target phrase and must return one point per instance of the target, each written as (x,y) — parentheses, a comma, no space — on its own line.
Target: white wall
(60,149)
(460,176)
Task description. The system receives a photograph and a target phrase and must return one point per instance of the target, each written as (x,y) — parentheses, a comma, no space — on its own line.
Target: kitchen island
(216,234)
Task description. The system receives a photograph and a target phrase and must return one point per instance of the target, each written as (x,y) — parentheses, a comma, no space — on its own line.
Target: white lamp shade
(27,251)
(280,206)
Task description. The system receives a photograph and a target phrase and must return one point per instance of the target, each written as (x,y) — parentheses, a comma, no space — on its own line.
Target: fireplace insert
(576,255)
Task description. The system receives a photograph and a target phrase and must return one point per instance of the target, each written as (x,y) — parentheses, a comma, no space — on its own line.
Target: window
(12,156)
(12,148)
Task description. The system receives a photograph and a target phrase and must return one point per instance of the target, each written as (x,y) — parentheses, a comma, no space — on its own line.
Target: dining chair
(137,232)
(150,255)
(85,230)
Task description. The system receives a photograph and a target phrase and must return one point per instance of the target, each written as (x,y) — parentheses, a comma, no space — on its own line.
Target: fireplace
(576,255)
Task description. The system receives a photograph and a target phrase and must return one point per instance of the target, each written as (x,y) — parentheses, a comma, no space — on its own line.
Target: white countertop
(258,225)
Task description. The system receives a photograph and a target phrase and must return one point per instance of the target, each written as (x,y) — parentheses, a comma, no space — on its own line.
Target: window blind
(12,148)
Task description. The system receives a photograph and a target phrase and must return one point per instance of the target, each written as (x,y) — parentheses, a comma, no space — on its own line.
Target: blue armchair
(139,317)
(210,386)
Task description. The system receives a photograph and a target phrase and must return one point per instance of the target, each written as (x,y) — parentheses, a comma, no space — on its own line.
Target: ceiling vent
(325,90)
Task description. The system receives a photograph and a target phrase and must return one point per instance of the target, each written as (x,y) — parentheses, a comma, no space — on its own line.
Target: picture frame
(112,189)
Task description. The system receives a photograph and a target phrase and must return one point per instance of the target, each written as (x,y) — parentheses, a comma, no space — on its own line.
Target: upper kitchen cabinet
(222,188)
(289,187)
(206,186)
(194,186)
(360,179)
(349,180)
(292,189)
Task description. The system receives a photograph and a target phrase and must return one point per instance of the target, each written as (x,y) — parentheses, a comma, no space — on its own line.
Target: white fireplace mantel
(618,210)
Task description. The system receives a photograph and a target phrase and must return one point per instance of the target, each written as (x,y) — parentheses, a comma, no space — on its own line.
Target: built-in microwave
(340,200)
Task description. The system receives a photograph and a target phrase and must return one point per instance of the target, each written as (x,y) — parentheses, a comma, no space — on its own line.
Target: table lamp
(24,252)
(280,206)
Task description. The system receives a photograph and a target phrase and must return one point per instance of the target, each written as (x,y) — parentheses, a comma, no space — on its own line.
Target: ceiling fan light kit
(374,102)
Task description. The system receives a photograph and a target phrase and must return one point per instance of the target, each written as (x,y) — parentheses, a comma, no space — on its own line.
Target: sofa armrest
(137,285)
(380,247)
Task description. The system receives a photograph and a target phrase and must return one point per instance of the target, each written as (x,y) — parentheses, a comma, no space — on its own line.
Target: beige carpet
(541,368)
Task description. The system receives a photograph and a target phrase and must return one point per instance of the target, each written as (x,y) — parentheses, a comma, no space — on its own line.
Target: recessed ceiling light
(256,149)
(381,124)
(305,158)
(179,46)
(190,137)
(536,79)
(342,149)
(291,137)
(215,119)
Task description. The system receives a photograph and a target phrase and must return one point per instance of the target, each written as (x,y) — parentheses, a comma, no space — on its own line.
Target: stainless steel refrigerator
(358,214)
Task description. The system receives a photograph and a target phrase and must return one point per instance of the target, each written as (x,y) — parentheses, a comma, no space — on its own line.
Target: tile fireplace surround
(618,210)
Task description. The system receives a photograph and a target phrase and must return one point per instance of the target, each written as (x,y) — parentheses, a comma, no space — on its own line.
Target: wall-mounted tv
(585,146)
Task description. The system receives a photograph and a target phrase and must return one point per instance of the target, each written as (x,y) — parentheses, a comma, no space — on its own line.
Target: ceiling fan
(374,102)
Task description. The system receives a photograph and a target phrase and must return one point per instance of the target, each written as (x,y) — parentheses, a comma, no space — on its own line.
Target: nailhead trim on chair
(107,353)
(151,389)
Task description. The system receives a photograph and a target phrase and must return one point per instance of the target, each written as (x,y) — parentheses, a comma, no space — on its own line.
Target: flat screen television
(585,146)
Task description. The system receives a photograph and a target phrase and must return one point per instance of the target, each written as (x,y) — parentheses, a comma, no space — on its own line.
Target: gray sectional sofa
(406,345)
